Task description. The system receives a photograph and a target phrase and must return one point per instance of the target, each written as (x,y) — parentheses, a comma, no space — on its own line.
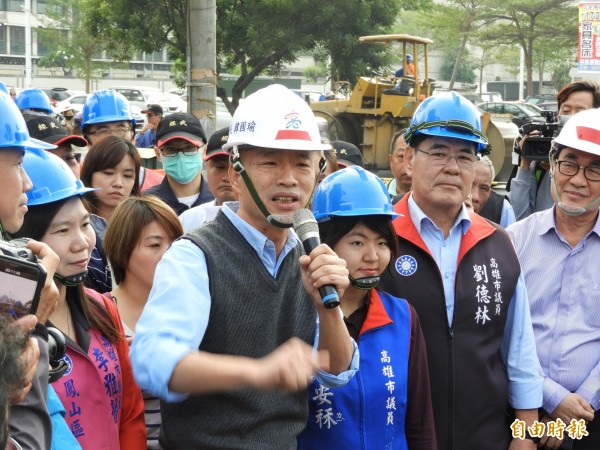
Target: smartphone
(21,284)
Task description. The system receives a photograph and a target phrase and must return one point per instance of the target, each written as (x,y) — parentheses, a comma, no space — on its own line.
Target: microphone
(307,230)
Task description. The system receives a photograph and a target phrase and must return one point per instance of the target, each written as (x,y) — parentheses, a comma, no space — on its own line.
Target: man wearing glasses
(462,275)
(147,135)
(179,139)
(107,113)
(50,130)
(559,249)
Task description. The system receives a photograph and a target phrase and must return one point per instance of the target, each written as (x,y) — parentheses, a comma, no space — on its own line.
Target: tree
(465,73)
(72,45)
(527,23)
(259,36)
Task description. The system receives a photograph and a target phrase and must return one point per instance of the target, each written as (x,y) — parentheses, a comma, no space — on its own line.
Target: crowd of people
(199,309)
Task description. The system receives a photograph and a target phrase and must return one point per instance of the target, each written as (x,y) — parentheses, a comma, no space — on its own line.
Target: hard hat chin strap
(3,234)
(275,220)
(569,210)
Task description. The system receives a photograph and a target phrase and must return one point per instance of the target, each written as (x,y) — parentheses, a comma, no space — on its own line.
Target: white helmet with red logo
(581,132)
(275,117)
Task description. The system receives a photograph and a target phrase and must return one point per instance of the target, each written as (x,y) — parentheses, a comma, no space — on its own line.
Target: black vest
(492,210)
(469,384)
(251,314)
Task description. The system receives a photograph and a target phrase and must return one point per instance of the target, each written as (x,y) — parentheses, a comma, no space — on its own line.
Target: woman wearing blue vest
(387,405)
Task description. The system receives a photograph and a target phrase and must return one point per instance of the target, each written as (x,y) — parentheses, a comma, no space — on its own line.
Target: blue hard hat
(3,88)
(34,98)
(51,178)
(448,115)
(13,129)
(106,106)
(409,58)
(351,192)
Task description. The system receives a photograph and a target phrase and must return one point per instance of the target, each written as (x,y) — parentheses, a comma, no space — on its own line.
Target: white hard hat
(581,132)
(275,117)
(65,107)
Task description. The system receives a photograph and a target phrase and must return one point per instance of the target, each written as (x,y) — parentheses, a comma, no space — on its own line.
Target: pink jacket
(104,404)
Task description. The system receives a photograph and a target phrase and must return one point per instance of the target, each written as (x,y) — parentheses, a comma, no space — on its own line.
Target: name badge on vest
(487,291)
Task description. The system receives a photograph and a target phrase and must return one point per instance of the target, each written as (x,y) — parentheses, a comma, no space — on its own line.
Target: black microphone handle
(328,292)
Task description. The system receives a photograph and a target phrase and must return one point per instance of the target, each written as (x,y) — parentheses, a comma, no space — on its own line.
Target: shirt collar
(255,238)
(419,217)
(547,222)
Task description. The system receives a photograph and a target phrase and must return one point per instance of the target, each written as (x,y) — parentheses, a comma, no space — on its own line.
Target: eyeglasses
(188,150)
(571,169)
(441,157)
(72,159)
(105,131)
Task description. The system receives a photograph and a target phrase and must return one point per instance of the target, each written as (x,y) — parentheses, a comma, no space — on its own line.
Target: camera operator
(530,189)
(29,420)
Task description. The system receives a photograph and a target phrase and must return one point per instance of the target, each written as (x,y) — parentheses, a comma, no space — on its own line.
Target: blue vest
(370,411)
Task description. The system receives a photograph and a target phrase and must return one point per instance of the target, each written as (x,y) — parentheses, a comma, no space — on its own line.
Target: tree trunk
(202,57)
(457,63)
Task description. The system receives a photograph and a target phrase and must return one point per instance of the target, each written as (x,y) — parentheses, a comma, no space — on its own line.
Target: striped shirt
(564,296)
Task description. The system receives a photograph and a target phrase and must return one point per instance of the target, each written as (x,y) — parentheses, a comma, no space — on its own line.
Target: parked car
(539,98)
(57,94)
(491,97)
(176,103)
(76,101)
(142,97)
(521,113)
(223,115)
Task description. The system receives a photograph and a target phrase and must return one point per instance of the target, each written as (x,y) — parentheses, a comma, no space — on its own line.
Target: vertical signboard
(588,53)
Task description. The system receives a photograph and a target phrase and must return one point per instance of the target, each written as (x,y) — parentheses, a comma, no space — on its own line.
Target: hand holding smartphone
(21,284)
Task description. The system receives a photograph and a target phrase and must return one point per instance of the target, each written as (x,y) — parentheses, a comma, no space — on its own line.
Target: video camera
(537,148)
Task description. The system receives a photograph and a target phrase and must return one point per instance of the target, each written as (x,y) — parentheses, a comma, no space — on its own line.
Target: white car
(76,101)
(143,96)
(223,116)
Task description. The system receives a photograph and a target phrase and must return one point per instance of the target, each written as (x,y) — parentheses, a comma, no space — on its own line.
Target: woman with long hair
(387,404)
(140,231)
(112,167)
(103,403)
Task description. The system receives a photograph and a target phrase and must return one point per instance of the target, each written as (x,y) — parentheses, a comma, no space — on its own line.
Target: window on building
(3,40)
(12,5)
(41,6)
(17,40)
(42,50)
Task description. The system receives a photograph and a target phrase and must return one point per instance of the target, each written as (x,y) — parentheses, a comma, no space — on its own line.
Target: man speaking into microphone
(227,337)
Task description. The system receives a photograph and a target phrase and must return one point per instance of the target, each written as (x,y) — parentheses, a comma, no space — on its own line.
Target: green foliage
(258,36)
(313,73)
(72,45)
(466,69)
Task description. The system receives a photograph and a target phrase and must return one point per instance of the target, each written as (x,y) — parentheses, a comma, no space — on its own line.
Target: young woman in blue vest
(103,403)
(387,405)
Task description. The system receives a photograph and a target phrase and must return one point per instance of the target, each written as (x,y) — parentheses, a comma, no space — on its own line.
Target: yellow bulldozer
(380,105)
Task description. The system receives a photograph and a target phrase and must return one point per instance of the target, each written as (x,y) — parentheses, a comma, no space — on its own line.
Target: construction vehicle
(380,105)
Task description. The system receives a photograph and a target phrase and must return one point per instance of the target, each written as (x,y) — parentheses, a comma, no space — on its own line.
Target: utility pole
(28,68)
(202,62)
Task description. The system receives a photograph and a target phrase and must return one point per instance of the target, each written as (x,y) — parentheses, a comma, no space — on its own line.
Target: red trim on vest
(479,229)
(405,228)
(377,316)
(293,134)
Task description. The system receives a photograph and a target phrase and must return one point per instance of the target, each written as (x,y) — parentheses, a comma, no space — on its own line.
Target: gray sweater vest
(251,314)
